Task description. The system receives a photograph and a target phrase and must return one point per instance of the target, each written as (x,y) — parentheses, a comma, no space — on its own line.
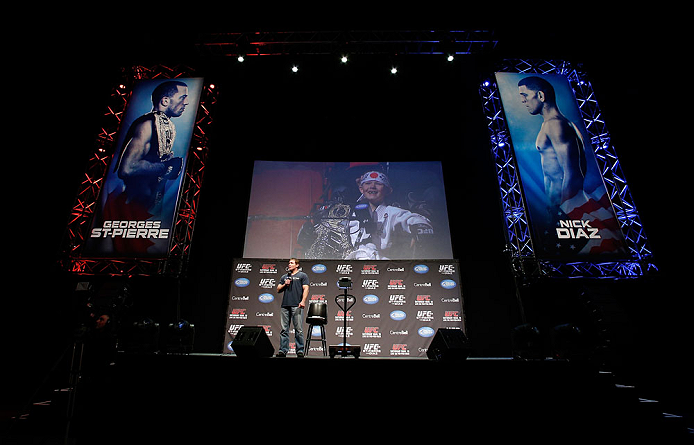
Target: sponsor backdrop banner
(399,305)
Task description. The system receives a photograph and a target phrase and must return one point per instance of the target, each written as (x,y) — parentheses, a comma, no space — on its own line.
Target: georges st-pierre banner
(139,198)
(399,305)
(571,215)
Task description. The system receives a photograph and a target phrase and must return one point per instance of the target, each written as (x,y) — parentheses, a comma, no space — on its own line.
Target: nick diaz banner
(399,304)
(570,210)
(138,201)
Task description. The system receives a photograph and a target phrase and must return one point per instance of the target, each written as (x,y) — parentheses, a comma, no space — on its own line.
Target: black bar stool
(317,316)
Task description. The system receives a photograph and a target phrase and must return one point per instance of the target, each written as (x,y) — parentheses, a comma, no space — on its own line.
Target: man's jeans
(295,314)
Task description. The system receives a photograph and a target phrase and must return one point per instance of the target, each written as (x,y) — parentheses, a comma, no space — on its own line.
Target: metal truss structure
(88,191)
(519,242)
(353,42)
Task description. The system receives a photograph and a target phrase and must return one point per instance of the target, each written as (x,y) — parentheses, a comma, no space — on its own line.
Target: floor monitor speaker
(449,344)
(252,341)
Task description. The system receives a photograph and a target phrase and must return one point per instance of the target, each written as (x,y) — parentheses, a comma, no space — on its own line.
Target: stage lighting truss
(95,172)
(519,242)
(448,42)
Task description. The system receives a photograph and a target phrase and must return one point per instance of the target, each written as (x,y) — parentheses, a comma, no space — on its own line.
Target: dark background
(60,80)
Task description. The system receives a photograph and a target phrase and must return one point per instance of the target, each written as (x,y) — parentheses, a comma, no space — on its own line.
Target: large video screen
(137,205)
(348,210)
(571,215)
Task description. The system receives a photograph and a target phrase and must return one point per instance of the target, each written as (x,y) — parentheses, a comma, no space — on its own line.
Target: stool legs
(322,337)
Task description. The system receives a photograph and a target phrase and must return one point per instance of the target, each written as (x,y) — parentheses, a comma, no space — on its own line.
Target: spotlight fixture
(181,325)
(526,343)
(240,59)
(146,324)
(393,70)
(180,337)
(142,336)
(295,69)
(569,343)
(450,58)
(343,59)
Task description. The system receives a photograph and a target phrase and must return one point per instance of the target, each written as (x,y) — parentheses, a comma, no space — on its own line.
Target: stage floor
(208,396)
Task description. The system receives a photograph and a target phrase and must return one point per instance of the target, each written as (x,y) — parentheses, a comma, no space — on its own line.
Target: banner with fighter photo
(570,212)
(139,198)
(398,304)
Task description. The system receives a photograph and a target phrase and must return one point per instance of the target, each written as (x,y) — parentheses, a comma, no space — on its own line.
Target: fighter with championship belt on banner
(147,159)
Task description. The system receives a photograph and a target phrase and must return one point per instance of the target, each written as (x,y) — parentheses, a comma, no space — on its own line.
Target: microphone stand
(345,308)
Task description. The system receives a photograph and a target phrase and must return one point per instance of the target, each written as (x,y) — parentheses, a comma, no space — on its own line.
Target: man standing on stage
(294,285)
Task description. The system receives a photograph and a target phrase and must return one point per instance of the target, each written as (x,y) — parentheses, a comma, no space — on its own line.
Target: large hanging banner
(139,198)
(570,211)
(399,305)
